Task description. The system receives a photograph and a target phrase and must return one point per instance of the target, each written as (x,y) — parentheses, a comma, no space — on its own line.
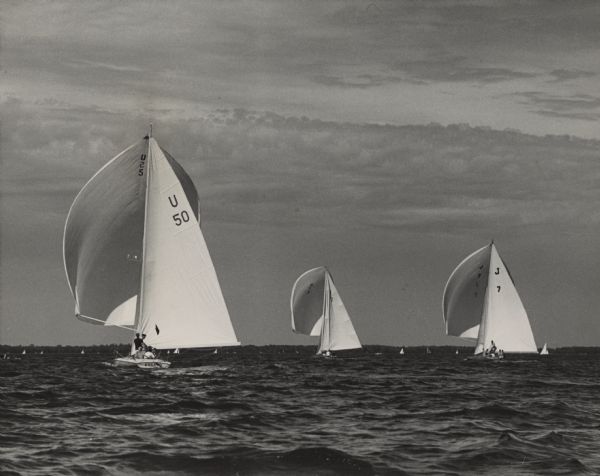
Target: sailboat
(24,352)
(176,351)
(544,350)
(481,304)
(82,352)
(318,310)
(402,351)
(135,256)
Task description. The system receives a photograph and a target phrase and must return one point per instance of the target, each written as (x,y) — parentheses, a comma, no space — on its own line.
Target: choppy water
(279,410)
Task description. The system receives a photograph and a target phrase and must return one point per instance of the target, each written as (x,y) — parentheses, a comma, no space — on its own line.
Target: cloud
(362,81)
(262,166)
(582,106)
(401,62)
(561,75)
(457,69)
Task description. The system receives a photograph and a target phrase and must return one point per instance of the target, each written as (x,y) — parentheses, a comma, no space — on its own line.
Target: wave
(275,412)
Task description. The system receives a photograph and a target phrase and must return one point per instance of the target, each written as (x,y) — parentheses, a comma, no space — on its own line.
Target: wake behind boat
(481,303)
(135,256)
(318,310)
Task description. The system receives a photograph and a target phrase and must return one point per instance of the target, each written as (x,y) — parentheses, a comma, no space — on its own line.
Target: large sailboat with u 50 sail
(135,256)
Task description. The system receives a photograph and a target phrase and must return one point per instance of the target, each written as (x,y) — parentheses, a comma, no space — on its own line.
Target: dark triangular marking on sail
(157,329)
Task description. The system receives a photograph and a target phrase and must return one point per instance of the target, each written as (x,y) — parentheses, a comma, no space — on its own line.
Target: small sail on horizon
(318,310)
(135,256)
(481,304)
(544,350)
(402,351)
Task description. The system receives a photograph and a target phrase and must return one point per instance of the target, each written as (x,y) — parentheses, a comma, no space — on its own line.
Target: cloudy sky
(386,140)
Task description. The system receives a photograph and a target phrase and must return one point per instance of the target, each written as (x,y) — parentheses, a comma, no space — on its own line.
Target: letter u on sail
(481,303)
(170,291)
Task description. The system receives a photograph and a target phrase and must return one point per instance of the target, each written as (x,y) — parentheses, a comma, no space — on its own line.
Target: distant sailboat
(318,310)
(481,303)
(24,352)
(402,351)
(176,351)
(428,351)
(135,256)
(544,350)
(456,352)
(82,352)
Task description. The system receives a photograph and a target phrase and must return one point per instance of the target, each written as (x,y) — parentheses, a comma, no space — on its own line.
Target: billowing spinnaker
(102,244)
(307,302)
(464,295)
(504,319)
(182,304)
(341,331)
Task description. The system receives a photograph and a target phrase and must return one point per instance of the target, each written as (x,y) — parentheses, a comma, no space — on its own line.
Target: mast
(487,309)
(141,294)
(325,342)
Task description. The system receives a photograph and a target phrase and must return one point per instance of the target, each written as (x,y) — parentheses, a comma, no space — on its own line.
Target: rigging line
(103,322)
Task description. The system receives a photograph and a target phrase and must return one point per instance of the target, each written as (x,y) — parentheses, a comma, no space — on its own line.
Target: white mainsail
(180,289)
(317,309)
(481,302)
(135,255)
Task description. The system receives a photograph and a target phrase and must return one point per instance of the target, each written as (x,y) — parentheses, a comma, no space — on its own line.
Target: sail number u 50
(180,217)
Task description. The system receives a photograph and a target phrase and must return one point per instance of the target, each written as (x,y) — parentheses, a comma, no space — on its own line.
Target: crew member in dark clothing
(138,341)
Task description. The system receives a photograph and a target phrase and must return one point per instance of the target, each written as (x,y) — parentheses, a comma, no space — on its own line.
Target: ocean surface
(279,410)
